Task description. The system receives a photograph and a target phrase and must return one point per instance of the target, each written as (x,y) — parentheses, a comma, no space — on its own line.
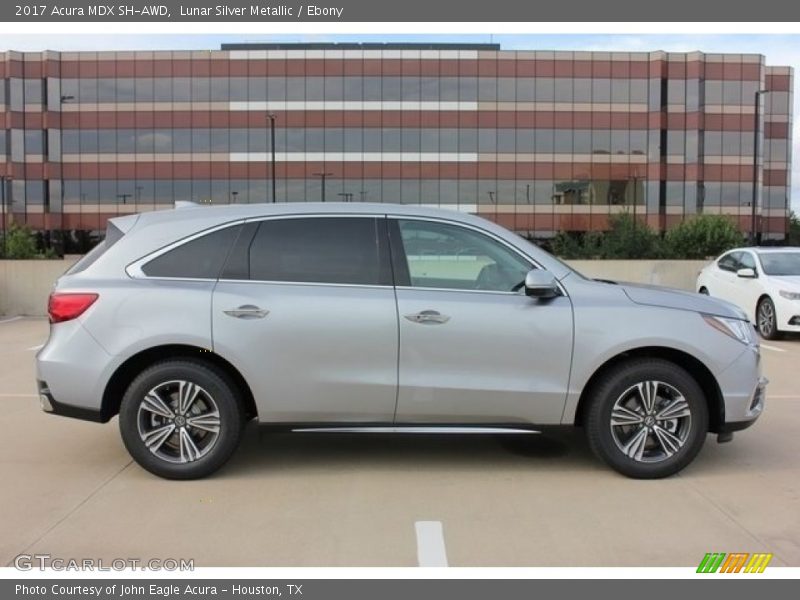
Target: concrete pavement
(70,490)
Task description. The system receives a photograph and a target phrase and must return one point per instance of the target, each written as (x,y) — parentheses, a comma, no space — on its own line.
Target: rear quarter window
(200,258)
(113,235)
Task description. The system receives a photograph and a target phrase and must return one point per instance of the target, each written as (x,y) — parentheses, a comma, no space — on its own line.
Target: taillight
(65,307)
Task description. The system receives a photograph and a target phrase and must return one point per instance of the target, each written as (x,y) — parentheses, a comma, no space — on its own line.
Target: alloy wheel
(650,421)
(766,318)
(178,421)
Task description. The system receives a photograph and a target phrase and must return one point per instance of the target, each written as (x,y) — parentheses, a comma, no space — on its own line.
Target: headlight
(735,328)
(789,295)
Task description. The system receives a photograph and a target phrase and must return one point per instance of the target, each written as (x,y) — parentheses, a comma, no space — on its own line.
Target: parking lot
(69,489)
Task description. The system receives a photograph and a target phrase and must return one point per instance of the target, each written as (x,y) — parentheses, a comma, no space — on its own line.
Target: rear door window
(333,250)
(200,258)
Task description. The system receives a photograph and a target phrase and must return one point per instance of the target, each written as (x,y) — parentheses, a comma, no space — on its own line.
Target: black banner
(731,588)
(406,11)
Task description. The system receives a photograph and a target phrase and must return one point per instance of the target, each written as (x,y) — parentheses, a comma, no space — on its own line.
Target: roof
(223,212)
(770,249)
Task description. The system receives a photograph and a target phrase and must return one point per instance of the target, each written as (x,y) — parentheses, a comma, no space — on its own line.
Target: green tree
(624,239)
(568,245)
(627,239)
(20,243)
(793,237)
(702,236)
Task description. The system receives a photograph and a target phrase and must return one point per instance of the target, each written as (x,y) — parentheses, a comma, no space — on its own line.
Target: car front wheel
(181,419)
(767,319)
(647,419)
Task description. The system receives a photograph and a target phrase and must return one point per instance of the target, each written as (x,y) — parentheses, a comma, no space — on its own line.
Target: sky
(780,50)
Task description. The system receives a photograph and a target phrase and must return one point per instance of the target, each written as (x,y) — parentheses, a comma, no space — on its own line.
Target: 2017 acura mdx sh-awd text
(190,322)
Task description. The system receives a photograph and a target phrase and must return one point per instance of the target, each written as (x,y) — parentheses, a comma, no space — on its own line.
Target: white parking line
(39,347)
(19,395)
(9,320)
(430,544)
(773,348)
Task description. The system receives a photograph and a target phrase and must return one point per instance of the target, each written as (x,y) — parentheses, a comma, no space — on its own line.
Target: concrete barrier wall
(25,284)
(680,274)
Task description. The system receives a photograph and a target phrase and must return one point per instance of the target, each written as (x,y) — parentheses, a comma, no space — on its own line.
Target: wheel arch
(699,371)
(128,370)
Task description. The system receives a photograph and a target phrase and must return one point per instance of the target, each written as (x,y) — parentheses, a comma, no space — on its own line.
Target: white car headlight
(789,295)
(739,330)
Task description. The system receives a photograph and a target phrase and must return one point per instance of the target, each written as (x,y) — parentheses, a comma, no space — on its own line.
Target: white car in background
(764,282)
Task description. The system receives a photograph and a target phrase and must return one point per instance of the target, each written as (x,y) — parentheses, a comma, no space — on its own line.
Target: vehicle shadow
(263,449)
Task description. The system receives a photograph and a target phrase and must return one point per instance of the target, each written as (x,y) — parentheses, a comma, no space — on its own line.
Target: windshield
(781,263)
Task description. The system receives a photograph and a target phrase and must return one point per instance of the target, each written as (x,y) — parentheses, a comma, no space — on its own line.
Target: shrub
(628,239)
(20,243)
(625,239)
(702,237)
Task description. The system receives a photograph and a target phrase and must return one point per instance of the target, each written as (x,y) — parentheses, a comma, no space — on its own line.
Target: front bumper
(787,313)
(754,409)
(743,389)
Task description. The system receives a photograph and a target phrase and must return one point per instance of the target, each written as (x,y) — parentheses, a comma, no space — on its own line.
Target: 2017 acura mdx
(189,322)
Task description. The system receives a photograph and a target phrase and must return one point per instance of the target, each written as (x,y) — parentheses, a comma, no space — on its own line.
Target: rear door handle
(247,311)
(428,317)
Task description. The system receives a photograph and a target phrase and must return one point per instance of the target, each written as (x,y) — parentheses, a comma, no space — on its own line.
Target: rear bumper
(71,373)
(52,406)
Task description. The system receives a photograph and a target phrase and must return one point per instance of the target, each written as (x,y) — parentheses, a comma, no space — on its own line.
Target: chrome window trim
(134,269)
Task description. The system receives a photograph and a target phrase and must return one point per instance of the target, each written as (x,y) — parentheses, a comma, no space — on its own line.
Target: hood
(652,295)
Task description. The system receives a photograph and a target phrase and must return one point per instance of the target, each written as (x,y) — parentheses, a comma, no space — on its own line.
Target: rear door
(305,308)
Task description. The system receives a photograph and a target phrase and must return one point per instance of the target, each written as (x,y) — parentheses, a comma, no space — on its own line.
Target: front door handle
(247,311)
(428,317)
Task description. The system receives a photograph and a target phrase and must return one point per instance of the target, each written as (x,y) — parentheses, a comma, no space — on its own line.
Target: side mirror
(541,284)
(746,273)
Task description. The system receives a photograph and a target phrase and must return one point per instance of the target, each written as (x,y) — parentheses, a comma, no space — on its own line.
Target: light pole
(4,182)
(348,196)
(324,176)
(62,100)
(635,195)
(272,117)
(753,232)
(124,197)
(233,197)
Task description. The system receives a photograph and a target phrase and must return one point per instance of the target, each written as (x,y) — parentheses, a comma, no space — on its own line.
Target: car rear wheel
(181,419)
(767,319)
(647,419)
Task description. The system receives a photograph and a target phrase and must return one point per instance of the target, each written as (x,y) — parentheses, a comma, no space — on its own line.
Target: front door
(473,347)
(306,310)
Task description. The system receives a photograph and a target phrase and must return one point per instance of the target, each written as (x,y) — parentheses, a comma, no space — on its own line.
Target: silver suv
(190,322)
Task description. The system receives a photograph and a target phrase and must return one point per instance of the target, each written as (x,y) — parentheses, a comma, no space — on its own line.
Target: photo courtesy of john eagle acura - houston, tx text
(188,323)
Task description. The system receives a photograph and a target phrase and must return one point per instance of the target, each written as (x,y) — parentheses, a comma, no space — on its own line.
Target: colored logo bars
(736,562)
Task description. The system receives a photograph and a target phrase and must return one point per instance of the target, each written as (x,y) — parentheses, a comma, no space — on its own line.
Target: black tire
(767,319)
(616,384)
(703,291)
(217,396)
